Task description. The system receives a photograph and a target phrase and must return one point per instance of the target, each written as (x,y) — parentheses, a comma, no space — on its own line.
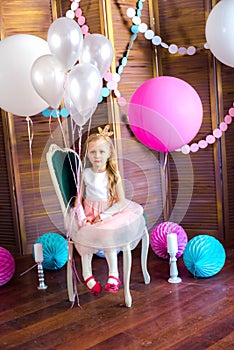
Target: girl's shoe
(112,287)
(96,289)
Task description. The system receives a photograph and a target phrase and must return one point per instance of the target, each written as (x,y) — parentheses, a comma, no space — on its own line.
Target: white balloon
(75,115)
(97,50)
(83,87)
(219,32)
(17,55)
(65,39)
(48,77)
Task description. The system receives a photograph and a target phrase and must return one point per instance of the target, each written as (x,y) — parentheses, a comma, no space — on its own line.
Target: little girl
(108,218)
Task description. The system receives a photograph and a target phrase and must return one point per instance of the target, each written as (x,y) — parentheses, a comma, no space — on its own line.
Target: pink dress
(119,227)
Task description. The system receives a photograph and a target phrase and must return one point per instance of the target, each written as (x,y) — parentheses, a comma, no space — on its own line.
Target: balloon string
(76,280)
(73,129)
(76,173)
(78,182)
(30,140)
(88,133)
(165,161)
(50,125)
(61,127)
(30,268)
(80,139)
(166,185)
(79,165)
(30,134)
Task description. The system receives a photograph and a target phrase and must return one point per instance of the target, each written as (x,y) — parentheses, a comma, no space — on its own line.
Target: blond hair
(111,165)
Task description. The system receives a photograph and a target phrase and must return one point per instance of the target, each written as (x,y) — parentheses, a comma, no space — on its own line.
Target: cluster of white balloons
(35,73)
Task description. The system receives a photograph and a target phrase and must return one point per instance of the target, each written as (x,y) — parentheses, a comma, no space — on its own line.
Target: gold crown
(105,132)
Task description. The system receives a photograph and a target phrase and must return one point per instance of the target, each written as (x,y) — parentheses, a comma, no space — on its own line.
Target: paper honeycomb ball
(55,250)
(7,266)
(158,239)
(204,256)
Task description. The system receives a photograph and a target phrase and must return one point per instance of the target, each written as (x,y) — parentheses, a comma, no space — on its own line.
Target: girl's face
(98,154)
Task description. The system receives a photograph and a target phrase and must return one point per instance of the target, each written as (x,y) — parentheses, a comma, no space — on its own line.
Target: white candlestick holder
(40,272)
(173,269)
(38,251)
(172,249)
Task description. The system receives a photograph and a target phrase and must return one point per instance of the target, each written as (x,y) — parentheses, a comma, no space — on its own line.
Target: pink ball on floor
(7,266)
(158,239)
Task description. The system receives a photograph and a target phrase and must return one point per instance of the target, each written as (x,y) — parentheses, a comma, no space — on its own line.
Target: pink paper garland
(111,79)
(210,139)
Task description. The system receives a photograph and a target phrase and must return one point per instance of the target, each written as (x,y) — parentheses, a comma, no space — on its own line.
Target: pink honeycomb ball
(7,266)
(158,238)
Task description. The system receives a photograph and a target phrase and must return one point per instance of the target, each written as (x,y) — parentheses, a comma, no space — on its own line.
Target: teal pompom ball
(55,250)
(204,256)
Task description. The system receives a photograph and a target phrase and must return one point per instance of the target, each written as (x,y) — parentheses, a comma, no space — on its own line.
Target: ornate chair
(63,165)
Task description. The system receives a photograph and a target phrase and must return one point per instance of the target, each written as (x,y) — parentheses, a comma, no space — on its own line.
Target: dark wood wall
(211,208)
(195,191)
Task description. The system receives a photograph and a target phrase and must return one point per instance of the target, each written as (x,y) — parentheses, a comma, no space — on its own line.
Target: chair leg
(127,263)
(144,255)
(70,283)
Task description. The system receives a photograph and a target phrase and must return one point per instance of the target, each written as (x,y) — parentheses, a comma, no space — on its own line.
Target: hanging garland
(210,139)
(112,79)
(149,34)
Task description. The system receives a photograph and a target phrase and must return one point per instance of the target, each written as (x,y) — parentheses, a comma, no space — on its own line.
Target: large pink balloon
(165,113)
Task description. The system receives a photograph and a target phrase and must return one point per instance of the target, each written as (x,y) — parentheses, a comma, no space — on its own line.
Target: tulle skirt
(118,231)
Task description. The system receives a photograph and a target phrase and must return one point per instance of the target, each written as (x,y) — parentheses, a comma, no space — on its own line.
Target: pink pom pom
(7,266)
(158,239)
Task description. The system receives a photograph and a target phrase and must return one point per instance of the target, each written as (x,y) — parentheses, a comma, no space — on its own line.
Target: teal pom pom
(204,256)
(55,250)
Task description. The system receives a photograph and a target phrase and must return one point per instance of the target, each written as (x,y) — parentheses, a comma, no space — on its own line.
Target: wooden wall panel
(210,209)
(9,232)
(227,151)
(183,23)
(30,18)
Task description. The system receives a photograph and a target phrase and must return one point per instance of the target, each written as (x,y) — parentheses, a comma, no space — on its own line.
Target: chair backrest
(64,166)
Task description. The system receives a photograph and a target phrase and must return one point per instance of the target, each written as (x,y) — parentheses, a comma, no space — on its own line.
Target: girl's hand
(88,220)
(95,220)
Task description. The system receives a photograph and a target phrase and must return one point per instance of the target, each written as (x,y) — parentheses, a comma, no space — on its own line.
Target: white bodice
(96,185)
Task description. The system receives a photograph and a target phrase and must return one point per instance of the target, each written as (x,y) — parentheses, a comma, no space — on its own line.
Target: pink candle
(172,243)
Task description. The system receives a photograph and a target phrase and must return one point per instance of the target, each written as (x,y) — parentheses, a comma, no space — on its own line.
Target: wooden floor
(194,314)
